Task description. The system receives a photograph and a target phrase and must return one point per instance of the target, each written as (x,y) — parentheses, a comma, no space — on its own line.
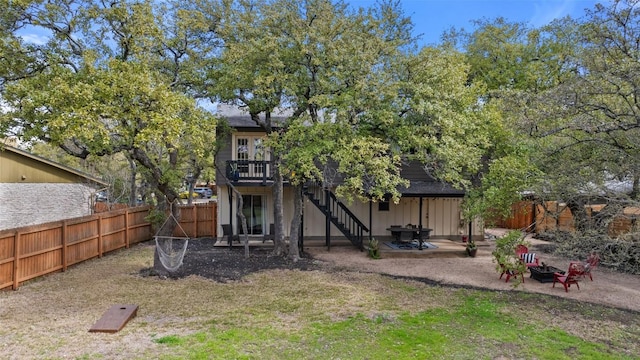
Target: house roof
(53,164)
(240,118)
(422,184)
(430,188)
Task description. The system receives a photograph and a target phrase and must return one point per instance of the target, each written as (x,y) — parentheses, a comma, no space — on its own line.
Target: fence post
(194,213)
(64,245)
(16,256)
(99,236)
(214,217)
(126,228)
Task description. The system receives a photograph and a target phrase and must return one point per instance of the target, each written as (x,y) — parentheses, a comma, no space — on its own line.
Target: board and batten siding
(440,214)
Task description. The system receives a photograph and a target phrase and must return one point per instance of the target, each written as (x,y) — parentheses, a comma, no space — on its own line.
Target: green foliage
(505,182)
(504,254)
(374,249)
(472,328)
(115,81)
(445,127)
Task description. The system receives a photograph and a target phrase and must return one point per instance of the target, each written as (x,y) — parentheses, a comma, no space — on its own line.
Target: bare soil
(48,318)
(223,264)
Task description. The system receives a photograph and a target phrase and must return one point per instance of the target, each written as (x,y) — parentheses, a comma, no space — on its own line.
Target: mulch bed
(223,264)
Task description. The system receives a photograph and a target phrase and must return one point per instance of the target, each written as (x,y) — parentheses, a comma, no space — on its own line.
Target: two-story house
(427,205)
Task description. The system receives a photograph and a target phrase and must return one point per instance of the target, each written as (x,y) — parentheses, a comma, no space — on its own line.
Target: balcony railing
(250,171)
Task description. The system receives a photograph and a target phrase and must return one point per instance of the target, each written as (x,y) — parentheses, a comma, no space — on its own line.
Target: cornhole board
(114,319)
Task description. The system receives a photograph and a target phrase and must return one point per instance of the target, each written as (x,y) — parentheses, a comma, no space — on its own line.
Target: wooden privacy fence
(523,214)
(198,220)
(32,251)
(557,216)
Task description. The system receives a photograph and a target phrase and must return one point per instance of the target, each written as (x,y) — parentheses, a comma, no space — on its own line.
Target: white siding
(440,214)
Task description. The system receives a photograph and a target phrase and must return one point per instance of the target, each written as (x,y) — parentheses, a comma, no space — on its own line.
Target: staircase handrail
(346,209)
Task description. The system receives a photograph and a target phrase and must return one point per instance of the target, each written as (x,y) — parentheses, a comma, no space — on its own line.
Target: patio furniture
(510,274)
(571,276)
(271,235)
(529,259)
(544,273)
(411,233)
(226,232)
(591,263)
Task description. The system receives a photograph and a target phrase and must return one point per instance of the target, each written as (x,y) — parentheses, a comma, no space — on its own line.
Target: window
(253,210)
(383,205)
(250,154)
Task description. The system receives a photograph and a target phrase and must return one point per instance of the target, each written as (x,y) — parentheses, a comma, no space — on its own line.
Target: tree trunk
(242,219)
(278,209)
(242,222)
(133,196)
(298,203)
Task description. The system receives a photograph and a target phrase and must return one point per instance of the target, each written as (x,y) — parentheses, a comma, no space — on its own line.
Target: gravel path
(608,287)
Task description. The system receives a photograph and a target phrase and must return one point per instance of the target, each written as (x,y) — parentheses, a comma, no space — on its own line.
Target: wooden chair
(226,232)
(570,277)
(510,274)
(521,249)
(271,235)
(529,259)
(591,263)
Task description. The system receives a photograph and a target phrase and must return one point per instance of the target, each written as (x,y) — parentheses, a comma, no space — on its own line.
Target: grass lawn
(442,323)
(284,314)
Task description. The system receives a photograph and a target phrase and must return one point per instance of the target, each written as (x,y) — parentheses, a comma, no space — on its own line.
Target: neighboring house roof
(19,166)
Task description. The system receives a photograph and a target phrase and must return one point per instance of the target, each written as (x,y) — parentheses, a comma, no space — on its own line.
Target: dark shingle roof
(430,188)
(238,118)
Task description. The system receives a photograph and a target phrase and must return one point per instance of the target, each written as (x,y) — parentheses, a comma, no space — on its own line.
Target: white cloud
(34,39)
(545,11)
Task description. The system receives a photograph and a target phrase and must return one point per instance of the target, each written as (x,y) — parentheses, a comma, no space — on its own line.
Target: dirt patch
(49,317)
(224,264)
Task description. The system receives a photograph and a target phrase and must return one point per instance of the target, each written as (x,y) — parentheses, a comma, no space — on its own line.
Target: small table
(397,231)
(544,274)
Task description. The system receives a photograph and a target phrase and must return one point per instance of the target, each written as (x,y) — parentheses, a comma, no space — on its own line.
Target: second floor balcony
(252,171)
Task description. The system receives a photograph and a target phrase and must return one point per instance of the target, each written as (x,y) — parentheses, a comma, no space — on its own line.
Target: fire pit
(544,273)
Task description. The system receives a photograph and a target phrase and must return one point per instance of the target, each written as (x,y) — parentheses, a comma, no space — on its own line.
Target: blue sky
(432,17)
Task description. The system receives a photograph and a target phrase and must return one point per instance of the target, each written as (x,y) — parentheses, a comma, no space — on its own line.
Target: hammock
(171,254)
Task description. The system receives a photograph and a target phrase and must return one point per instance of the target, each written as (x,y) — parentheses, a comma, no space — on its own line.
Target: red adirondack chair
(570,277)
(510,274)
(592,262)
(529,259)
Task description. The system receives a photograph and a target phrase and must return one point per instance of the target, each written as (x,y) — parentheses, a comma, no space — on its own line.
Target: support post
(230,215)
(327,219)
(301,239)
(370,221)
(16,258)
(100,236)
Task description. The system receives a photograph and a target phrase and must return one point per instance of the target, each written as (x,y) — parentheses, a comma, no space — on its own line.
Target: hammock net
(171,249)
